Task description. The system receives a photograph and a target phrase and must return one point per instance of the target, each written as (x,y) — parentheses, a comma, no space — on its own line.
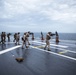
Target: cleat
(27,46)
(22,48)
(49,50)
(44,48)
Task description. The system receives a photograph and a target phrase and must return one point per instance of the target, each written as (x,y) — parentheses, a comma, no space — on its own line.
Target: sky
(38,15)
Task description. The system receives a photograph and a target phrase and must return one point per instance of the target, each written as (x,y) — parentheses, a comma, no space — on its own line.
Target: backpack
(22,39)
(48,37)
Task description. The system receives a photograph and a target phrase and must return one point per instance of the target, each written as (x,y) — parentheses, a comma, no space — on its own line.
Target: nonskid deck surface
(61,60)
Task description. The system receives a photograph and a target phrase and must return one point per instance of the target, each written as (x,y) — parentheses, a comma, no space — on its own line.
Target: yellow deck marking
(63,52)
(39,46)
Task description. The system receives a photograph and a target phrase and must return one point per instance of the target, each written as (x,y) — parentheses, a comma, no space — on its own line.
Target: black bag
(48,37)
(22,39)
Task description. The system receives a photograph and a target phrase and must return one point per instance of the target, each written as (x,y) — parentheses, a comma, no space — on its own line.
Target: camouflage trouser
(57,39)
(2,41)
(17,40)
(47,44)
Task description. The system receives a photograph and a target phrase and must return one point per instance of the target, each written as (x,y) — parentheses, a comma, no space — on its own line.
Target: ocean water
(62,36)
(67,36)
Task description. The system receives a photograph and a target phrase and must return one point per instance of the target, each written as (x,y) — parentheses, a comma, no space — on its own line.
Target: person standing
(57,37)
(14,37)
(2,38)
(4,35)
(42,37)
(18,38)
(23,40)
(27,39)
(48,37)
(8,36)
(33,36)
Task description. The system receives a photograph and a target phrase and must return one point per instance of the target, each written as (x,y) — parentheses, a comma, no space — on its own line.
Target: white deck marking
(39,43)
(52,44)
(60,49)
(54,53)
(9,49)
(8,42)
(65,50)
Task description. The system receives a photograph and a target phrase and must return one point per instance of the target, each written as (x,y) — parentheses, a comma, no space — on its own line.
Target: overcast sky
(38,15)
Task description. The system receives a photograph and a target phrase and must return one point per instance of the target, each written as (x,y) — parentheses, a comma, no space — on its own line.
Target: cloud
(16,7)
(38,12)
(60,12)
(52,9)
